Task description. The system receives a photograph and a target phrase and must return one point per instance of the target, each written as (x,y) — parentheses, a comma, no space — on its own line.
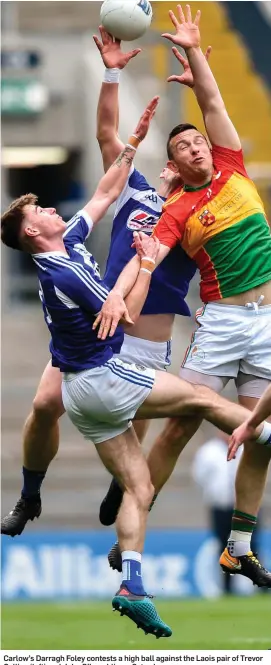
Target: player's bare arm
(114,308)
(113,181)
(108,105)
(246,431)
(219,127)
(117,310)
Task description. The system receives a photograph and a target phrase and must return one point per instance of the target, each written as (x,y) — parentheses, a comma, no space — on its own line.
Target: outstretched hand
(143,125)
(187,77)
(187,31)
(111,52)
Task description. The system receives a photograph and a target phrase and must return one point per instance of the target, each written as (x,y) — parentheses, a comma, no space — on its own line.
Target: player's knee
(47,408)
(179,430)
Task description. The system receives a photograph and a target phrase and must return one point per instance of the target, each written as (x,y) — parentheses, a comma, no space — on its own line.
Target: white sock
(239,543)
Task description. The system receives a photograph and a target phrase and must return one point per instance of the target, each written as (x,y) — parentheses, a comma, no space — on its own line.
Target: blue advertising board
(73,565)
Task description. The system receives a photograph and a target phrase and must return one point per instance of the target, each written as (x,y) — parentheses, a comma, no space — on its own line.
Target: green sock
(242,527)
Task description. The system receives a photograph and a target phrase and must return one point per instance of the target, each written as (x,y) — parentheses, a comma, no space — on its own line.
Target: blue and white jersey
(72,293)
(138,208)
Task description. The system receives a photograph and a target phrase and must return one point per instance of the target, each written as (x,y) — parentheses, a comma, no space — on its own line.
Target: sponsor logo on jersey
(140,220)
(206,218)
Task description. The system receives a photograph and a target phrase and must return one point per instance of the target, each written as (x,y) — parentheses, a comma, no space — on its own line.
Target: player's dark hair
(183,127)
(12,219)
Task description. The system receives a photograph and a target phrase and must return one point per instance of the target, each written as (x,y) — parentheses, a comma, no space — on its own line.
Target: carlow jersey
(223,227)
(138,209)
(72,293)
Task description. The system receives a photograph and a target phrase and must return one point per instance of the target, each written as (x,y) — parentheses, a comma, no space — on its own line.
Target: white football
(126,19)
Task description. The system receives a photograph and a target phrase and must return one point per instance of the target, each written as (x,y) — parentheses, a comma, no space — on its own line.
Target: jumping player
(101,393)
(149,340)
(138,208)
(218,218)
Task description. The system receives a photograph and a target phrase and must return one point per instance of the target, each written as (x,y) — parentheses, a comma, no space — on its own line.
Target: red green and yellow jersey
(223,227)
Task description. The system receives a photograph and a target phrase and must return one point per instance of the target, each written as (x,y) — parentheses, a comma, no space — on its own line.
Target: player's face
(191,156)
(43,221)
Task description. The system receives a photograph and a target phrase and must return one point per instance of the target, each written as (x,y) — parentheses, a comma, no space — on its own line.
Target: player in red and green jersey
(221,225)
(218,218)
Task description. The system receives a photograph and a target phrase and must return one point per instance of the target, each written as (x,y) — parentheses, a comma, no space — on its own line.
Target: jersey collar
(42,255)
(187,188)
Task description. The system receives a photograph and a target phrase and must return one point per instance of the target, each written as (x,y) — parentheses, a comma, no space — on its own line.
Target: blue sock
(131,572)
(32,483)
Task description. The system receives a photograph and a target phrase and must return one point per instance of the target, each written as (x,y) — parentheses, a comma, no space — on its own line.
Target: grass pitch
(227,623)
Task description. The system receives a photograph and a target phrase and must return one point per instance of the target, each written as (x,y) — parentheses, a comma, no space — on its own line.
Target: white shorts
(231,340)
(156,355)
(101,402)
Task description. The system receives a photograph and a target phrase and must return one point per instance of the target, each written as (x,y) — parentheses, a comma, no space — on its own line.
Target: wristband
(128,145)
(147,258)
(111,75)
(134,140)
(145,270)
(148,265)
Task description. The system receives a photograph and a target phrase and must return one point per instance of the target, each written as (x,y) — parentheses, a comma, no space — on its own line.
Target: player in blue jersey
(139,208)
(153,331)
(101,393)
(41,435)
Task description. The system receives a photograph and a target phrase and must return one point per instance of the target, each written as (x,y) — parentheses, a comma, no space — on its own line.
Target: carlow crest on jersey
(206,218)
(140,220)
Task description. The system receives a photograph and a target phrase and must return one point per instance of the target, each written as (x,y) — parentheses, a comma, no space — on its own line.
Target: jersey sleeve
(229,159)
(78,228)
(136,183)
(76,287)
(168,231)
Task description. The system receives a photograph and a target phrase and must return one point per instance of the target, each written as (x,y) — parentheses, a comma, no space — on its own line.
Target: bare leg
(123,457)
(167,448)
(252,471)
(174,397)
(110,504)
(141,428)
(41,431)
(249,485)
(40,445)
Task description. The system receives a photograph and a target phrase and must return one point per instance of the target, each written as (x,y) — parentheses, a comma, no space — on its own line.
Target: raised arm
(218,125)
(113,181)
(108,105)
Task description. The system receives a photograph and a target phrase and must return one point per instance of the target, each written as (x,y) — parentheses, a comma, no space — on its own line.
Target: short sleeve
(78,228)
(225,158)
(168,231)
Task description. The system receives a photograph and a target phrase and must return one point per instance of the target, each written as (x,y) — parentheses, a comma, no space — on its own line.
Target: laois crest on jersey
(72,293)
(138,208)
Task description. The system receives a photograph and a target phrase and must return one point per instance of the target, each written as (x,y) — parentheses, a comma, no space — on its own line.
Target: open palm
(187,31)
(111,52)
